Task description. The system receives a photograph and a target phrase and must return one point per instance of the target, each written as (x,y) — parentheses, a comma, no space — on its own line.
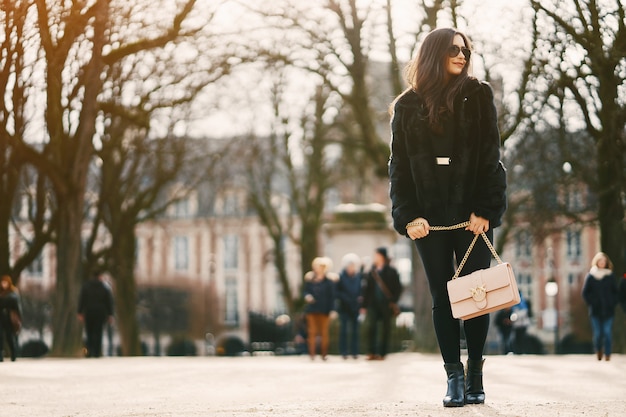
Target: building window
(181,209)
(573,244)
(231,204)
(523,244)
(573,279)
(231,314)
(181,253)
(184,203)
(574,200)
(231,252)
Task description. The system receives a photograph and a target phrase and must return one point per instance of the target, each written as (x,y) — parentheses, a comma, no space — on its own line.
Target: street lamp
(552,290)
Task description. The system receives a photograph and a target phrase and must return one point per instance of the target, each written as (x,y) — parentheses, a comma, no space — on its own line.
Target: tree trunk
(66,331)
(309,246)
(610,205)
(281,268)
(5,245)
(611,219)
(122,269)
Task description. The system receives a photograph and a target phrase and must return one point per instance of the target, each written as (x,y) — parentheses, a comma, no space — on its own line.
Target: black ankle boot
(474,391)
(456,385)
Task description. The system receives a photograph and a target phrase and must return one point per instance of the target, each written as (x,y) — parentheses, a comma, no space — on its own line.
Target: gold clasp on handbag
(479,293)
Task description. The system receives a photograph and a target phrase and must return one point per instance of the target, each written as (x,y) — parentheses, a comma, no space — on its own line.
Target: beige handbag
(483,291)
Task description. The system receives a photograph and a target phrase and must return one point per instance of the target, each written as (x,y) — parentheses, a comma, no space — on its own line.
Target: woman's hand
(419,230)
(309,299)
(477,224)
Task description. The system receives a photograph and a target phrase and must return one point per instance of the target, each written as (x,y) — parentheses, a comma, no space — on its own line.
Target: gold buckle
(479,293)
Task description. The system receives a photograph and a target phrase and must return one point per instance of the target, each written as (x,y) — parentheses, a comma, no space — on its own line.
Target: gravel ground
(407,384)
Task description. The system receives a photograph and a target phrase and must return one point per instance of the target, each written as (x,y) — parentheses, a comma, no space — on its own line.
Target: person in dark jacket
(600,293)
(95,308)
(319,296)
(349,295)
(445,170)
(10,312)
(505,328)
(520,318)
(382,292)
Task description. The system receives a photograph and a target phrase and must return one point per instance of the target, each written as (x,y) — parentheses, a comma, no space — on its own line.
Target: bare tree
(139,178)
(335,41)
(289,176)
(25,204)
(136,173)
(139,167)
(582,61)
(77,42)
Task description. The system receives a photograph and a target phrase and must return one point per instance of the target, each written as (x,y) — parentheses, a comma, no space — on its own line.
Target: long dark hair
(426,74)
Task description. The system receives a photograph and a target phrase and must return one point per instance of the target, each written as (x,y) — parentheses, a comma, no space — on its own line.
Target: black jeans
(94,326)
(6,332)
(379,314)
(438,251)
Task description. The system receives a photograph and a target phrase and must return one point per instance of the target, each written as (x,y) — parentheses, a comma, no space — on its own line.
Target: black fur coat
(478,178)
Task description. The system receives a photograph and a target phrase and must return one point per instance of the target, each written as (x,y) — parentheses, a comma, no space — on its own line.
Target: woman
(600,292)
(10,311)
(319,296)
(444,170)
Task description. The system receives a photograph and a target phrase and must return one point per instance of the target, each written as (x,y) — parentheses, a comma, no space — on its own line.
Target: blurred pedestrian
(600,292)
(349,295)
(382,292)
(319,296)
(95,309)
(505,328)
(445,170)
(520,318)
(10,316)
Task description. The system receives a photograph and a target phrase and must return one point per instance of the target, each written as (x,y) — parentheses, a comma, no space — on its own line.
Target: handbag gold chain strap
(471,246)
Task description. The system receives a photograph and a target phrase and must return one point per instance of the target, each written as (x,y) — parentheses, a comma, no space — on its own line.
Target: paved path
(404,385)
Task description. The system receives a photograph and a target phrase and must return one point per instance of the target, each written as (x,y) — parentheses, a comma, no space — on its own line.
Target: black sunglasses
(454,50)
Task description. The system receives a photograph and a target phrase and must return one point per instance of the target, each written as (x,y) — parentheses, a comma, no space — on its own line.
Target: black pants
(94,326)
(379,314)
(506,341)
(6,332)
(438,252)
